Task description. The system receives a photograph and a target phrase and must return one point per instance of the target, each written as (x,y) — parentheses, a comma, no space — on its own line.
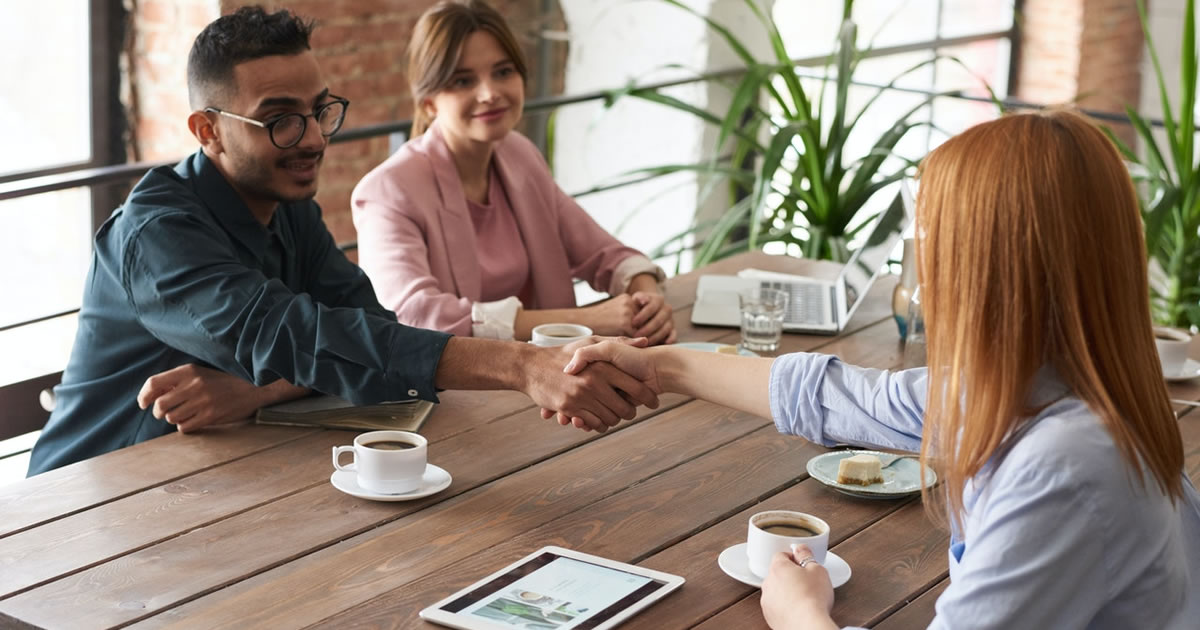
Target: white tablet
(554,589)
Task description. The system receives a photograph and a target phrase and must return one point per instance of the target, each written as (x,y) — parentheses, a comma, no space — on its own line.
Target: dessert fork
(888,460)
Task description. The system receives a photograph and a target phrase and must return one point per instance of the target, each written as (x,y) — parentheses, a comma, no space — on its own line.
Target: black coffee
(390,445)
(786,528)
(1165,337)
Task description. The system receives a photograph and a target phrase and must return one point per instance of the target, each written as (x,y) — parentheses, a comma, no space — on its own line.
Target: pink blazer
(417,243)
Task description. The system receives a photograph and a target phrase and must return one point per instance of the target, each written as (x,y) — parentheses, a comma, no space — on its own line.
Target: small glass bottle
(914,343)
(902,294)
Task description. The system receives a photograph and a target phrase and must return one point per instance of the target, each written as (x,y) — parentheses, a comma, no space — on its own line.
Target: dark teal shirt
(183,273)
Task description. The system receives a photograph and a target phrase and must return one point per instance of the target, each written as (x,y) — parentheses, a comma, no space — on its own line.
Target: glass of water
(762,318)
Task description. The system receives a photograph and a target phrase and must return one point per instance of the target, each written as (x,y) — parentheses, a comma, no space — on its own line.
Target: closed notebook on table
(337,413)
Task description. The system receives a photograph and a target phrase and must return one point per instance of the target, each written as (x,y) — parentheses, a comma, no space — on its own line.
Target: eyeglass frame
(270,124)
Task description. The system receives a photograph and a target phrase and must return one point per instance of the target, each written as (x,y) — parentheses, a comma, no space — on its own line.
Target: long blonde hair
(1031,253)
(437,43)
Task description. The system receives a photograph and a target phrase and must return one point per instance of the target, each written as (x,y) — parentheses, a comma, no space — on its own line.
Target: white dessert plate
(1191,369)
(708,346)
(734,563)
(435,480)
(901,479)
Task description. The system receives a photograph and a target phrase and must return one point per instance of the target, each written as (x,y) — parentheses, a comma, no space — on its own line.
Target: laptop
(814,306)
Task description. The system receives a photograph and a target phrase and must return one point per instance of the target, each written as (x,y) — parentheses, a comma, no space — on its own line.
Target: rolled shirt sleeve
(820,398)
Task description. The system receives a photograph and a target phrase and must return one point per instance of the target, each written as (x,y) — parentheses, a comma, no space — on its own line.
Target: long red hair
(1031,253)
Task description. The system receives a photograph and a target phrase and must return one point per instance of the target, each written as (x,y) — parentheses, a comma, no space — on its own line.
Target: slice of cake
(860,470)
(727,349)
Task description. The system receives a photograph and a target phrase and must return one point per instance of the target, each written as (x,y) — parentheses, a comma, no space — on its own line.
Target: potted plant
(1168,182)
(790,179)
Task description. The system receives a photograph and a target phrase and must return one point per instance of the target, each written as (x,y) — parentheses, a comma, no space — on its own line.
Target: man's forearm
(280,391)
(473,363)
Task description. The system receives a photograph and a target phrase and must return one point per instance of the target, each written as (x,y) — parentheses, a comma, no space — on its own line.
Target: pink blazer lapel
(531,193)
(457,231)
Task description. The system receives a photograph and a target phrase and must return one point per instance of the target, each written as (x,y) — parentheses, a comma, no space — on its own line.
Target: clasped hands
(622,364)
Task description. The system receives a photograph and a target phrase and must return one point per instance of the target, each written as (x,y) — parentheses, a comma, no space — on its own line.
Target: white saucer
(435,480)
(734,563)
(1191,369)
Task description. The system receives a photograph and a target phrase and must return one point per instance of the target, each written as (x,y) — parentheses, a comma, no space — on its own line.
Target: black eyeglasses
(286,131)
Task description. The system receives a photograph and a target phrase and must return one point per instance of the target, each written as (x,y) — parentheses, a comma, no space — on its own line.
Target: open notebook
(337,413)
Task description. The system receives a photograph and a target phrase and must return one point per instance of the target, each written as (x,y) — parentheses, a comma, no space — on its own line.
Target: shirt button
(412,392)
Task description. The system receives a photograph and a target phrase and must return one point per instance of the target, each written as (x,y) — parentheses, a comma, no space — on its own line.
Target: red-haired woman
(1043,407)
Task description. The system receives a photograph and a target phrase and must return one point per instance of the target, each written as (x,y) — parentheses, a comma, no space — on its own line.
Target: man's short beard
(253,177)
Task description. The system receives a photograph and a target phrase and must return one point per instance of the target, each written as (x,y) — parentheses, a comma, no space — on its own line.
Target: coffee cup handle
(337,452)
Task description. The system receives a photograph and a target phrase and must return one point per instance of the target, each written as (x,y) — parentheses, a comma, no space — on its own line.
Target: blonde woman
(464,229)
(1044,408)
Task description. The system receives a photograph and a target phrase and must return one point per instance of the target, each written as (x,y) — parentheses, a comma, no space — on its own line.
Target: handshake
(596,382)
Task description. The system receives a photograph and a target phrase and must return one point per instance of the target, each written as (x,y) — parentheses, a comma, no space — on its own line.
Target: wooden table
(241,528)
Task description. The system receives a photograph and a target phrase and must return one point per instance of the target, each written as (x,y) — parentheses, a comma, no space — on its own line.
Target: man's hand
(593,397)
(653,319)
(795,596)
(192,397)
(622,353)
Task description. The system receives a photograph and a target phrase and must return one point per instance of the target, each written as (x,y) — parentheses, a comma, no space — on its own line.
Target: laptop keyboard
(806,302)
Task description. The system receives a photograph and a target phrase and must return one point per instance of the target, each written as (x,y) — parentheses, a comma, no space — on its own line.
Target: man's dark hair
(244,35)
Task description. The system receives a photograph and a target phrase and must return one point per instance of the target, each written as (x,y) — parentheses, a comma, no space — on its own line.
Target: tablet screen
(552,592)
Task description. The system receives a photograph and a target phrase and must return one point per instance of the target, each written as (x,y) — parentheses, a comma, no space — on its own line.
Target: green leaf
(1168,117)
(799,98)
(836,141)
(746,93)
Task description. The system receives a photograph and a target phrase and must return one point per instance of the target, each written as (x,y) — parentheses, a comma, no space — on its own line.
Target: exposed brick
(1088,50)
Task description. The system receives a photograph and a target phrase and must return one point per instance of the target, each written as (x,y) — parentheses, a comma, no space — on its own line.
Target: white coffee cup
(777,530)
(1172,345)
(387,462)
(548,335)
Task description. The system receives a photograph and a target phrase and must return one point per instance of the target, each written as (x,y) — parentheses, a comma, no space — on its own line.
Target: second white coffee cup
(559,334)
(1172,348)
(777,530)
(387,462)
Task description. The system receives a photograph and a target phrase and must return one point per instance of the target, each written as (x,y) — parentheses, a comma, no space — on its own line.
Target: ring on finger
(807,561)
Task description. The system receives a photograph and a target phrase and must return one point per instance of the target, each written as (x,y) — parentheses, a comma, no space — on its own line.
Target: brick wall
(154,84)
(360,45)
(1087,52)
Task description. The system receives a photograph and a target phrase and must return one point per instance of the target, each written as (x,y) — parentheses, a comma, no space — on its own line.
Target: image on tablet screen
(557,594)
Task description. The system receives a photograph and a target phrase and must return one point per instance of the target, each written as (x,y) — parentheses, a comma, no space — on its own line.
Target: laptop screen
(868,259)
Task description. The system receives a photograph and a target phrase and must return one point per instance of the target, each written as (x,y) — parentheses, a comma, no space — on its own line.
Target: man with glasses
(216,289)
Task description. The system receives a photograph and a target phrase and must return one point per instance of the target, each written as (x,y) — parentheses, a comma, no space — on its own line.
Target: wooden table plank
(893,560)
(916,614)
(635,523)
(249,543)
(138,520)
(96,481)
(1189,430)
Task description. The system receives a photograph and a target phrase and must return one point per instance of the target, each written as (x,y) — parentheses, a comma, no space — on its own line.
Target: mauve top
(503,263)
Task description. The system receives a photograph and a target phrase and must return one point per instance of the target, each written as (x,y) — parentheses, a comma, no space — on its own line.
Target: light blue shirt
(1060,535)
